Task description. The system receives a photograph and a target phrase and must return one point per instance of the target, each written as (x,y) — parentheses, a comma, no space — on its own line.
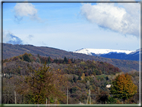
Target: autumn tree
(123,87)
(43,83)
(83,76)
(69,61)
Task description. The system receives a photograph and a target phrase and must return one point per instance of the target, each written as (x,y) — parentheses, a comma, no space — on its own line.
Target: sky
(72,26)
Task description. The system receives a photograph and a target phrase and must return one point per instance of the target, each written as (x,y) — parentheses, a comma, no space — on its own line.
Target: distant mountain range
(107,53)
(110,53)
(10,50)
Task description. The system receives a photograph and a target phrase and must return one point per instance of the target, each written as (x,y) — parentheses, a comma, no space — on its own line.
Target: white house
(108,86)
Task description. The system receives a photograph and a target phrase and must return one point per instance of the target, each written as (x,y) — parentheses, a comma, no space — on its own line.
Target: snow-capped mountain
(136,52)
(101,51)
(110,53)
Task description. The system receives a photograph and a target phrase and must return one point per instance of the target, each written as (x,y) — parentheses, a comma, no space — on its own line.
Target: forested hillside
(10,50)
(75,76)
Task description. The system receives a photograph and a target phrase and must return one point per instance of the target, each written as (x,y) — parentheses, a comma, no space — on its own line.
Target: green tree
(111,100)
(49,60)
(26,57)
(123,87)
(65,60)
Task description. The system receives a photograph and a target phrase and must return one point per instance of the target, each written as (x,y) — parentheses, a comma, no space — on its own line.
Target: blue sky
(72,26)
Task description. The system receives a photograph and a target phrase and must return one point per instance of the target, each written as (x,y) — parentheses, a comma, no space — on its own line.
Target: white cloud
(25,9)
(6,36)
(123,18)
(10,38)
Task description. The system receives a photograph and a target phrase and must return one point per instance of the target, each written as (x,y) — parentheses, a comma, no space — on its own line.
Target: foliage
(111,100)
(65,60)
(26,57)
(82,63)
(41,85)
(73,89)
(74,79)
(102,97)
(123,87)
(81,75)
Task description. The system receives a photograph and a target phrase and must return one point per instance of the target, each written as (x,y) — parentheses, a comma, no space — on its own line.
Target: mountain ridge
(10,50)
(111,53)
(101,51)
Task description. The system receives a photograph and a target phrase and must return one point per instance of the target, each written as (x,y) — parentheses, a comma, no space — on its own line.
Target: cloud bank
(10,38)
(123,17)
(25,9)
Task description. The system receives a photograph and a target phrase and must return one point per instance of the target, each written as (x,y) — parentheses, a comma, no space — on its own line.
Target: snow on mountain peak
(89,51)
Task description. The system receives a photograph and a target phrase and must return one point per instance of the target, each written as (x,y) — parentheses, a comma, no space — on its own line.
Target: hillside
(79,75)
(19,65)
(10,50)
(77,72)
